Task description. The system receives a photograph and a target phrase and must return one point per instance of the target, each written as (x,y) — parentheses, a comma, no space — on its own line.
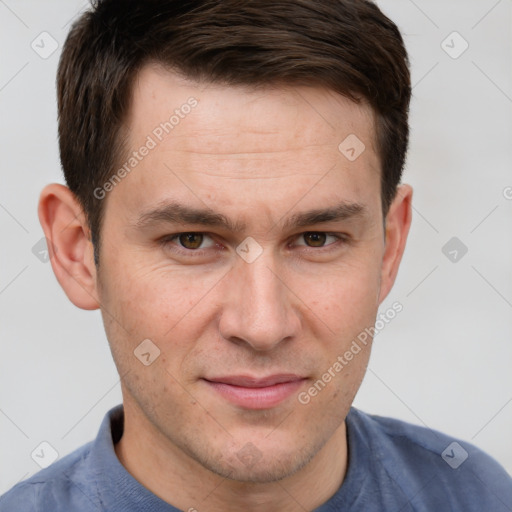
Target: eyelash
(166,241)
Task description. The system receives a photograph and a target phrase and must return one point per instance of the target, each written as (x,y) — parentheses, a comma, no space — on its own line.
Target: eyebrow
(177,213)
(343,211)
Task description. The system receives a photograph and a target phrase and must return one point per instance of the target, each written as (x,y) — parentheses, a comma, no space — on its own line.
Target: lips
(255,392)
(254,382)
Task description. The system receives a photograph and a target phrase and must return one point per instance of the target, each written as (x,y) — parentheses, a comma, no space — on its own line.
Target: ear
(69,245)
(398,222)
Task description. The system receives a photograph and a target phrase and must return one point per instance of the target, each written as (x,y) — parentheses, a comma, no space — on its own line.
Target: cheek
(159,303)
(346,298)
(154,298)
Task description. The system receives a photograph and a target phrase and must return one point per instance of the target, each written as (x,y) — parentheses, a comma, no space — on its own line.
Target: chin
(251,466)
(262,474)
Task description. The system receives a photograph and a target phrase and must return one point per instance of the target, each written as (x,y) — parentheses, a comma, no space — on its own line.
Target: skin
(257,157)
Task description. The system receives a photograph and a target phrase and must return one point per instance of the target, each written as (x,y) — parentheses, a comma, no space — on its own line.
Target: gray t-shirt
(393,466)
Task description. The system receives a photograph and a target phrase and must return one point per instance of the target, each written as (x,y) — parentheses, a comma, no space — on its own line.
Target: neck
(173,476)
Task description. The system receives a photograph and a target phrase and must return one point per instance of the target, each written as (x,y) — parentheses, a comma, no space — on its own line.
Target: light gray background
(444,361)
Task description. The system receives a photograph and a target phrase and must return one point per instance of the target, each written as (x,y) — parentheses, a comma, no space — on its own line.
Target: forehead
(227,145)
(234,114)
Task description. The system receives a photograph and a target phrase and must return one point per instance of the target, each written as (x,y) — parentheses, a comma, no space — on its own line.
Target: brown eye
(191,240)
(315,239)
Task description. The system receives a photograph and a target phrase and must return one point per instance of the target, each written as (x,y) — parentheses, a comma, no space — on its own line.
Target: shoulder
(429,466)
(53,488)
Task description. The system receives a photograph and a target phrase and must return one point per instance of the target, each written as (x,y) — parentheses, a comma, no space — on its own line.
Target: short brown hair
(348,46)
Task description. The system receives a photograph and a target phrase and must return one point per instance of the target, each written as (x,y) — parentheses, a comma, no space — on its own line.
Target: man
(235,210)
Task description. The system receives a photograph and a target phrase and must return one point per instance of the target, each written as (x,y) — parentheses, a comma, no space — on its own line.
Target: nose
(259,309)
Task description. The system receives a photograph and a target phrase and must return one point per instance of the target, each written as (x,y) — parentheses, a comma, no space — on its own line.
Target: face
(248,248)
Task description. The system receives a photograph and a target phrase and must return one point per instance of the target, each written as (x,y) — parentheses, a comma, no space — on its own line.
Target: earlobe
(71,250)
(398,222)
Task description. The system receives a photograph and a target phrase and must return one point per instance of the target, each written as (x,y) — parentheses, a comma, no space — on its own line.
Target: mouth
(254,392)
